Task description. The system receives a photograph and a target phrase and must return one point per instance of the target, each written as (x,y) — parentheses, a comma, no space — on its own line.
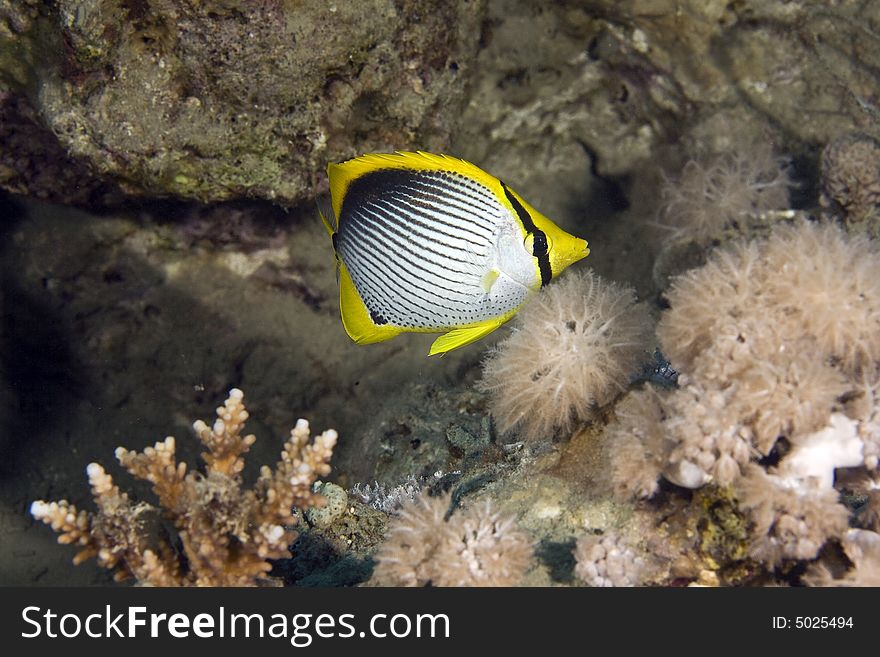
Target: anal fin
(463,336)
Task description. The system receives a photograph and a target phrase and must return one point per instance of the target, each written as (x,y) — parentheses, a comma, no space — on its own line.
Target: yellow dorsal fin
(341,175)
(460,337)
(355,317)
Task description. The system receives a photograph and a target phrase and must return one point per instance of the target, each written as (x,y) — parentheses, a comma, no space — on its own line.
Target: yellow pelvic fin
(342,174)
(460,337)
(355,317)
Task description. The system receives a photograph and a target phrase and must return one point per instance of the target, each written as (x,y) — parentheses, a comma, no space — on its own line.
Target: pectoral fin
(489,279)
(460,337)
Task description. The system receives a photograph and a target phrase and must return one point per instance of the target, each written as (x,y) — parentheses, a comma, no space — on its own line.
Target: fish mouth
(564,258)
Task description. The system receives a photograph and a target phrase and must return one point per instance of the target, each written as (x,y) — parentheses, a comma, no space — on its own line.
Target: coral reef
(792,520)
(607,561)
(573,102)
(721,193)
(572,350)
(640,442)
(770,337)
(475,547)
(227,534)
(851,177)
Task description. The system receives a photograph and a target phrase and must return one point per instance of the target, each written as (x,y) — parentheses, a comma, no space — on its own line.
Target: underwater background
(694,403)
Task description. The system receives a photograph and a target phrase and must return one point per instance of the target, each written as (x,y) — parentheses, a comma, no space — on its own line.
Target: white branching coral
(476,547)
(572,349)
(227,534)
(607,561)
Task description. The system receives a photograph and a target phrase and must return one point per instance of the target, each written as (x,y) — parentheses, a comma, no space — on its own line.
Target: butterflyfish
(433,244)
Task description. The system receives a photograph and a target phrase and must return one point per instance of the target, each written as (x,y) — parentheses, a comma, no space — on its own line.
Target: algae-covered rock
(220,99)
(582,123)
(224,98)
(335,504)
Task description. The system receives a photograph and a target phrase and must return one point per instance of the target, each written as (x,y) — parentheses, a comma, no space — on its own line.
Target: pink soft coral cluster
(426,546)
(572,350)
(772,338)
(716,193)
(605,561)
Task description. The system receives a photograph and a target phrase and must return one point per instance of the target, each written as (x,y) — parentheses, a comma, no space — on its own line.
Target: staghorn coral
(475,547)
(227,534)
(851,176)
(607,561)
(574,348)
(717,193)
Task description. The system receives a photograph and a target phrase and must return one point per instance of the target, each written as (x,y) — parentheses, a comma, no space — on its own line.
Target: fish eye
(539,245)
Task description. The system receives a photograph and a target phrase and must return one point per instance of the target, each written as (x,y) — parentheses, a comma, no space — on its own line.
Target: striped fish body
(429,243)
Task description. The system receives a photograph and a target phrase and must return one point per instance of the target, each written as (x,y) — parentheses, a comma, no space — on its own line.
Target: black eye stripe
(539,247)
(537,234)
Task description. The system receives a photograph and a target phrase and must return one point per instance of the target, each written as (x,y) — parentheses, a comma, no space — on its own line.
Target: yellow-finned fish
(433,244)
